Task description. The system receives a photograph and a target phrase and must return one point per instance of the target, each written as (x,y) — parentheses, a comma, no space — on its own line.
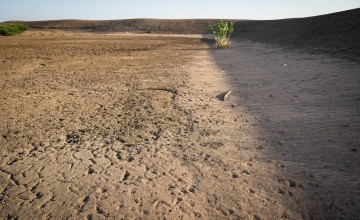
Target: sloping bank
(304,107)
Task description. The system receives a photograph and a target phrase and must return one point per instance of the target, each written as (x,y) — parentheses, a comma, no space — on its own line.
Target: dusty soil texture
(335,34)
(129,126)
(92,126)
(305,112)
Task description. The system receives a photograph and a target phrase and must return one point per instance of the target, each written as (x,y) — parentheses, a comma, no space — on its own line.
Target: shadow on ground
(306,108)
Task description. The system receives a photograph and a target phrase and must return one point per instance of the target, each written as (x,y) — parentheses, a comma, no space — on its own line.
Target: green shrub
(222,31)
(12,29)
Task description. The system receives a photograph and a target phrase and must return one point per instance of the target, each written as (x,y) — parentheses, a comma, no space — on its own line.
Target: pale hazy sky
(123,9)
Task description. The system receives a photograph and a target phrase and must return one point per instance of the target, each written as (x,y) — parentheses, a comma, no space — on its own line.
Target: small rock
(91,170)
(256,217)
(226,213)
(246,172)
(232,211)
(39,195)
(73,138)
(193,190)
(234,175)
(107,141)
(223,96)
(130,159)
(292,183)
(118,156)
(126,176)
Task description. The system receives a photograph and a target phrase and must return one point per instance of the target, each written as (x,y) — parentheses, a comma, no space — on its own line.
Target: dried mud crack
(130,127)
(97,127)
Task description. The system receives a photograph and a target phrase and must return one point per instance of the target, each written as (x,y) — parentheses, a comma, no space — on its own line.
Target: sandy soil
(133,127)
(305,116)
(335,34)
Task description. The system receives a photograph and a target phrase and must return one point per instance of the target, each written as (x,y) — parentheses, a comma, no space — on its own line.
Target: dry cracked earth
(130,127)
(82,121)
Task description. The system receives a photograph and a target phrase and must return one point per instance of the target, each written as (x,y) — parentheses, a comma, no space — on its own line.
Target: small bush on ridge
(222,31)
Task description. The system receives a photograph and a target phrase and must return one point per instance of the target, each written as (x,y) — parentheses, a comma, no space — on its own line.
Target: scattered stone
(107,141)
(131,159)
(73,138)
(39,195)
(91,170)
(223,96)
(292,183)
(225,212)
(207,156)
(126,176)
(232,211)
(246,172)
(256,217)
(193,190)
(235,175)
(118,156)
(259,147)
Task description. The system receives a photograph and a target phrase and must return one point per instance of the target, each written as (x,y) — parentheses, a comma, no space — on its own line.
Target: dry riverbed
(131,127)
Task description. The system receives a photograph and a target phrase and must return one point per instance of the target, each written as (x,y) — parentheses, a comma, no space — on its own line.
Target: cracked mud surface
(129,127)
(89,126)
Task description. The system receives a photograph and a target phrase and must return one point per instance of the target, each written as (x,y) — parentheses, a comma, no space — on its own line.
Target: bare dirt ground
(305,110)
(131,127)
